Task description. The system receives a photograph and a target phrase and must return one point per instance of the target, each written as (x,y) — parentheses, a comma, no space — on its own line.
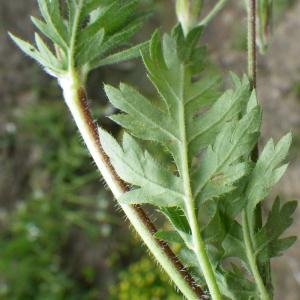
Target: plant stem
(215,10)
(198,244)
(256,224)
(76,99)
(251,11)
(252,259)
(200,251)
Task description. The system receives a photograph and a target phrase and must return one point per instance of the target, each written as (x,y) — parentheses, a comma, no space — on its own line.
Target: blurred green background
(62,236)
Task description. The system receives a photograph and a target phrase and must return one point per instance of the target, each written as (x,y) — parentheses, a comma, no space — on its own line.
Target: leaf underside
(216,132)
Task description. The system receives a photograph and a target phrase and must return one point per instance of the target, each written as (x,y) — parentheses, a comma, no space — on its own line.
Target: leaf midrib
(157,125)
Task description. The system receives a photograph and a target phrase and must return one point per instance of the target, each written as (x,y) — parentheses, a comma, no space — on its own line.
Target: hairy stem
(76,99)
(215,10)
(252,259)
(198,244)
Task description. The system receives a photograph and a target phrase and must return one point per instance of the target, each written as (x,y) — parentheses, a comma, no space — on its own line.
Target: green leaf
(123,55)
(215,230)
(112,17)
(46,52)
(94,27)
(234,202)
(235,287)
(29,49)
(41,58)
(114,41)
(179,221)
(217,174)
(192,116)
(50,11)
(91,35)
(169,236)
(223,182)
(143,118)
(89,6)
(142,196)
(169,81)
(189,259)
(267,240)
(233,243)
(48,32)
(187,45)
(139,168)
(267,172)
(89,50)
(228,107)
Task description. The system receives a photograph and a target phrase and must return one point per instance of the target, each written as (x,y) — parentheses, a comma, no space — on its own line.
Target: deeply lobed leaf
(268,171)
(162,124)
(211,136)
(140,169)
(89,38)
(268,240)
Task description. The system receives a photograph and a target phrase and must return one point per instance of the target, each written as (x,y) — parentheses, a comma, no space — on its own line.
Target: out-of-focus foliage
(281,5)
(65,207)
(266,10)
(34,240)
(143,281)
(32,264)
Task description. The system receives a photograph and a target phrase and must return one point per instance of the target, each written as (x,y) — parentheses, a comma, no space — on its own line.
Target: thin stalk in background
(251,12)
(215,10)
(76,99)
(247,231)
